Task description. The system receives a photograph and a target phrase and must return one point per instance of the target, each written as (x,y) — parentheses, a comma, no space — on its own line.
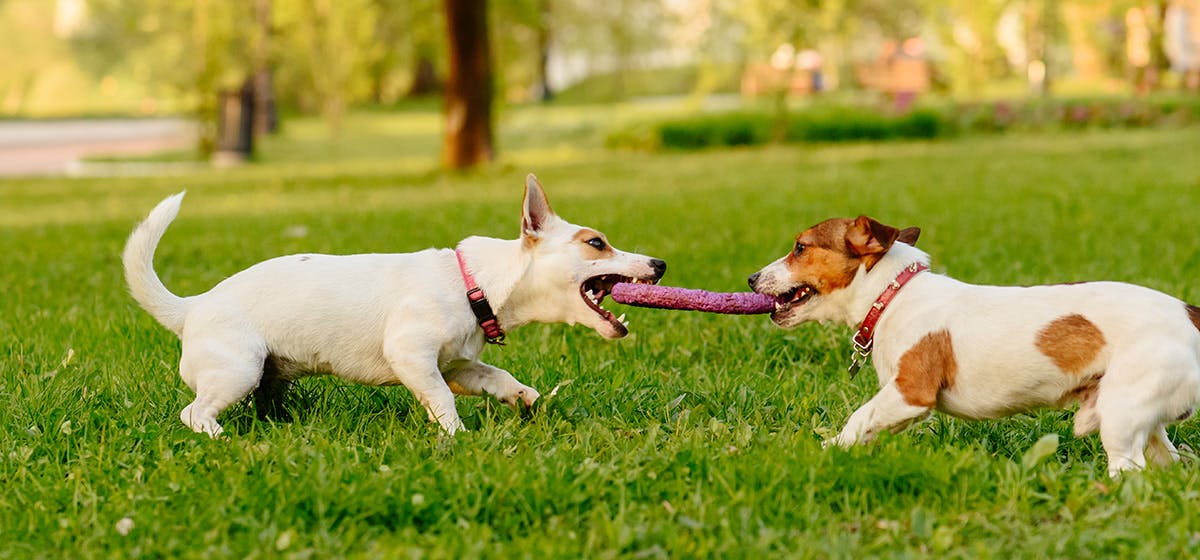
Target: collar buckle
(480,307)
(860,354)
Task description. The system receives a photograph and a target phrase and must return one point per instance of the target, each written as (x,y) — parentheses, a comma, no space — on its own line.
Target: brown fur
(457,388)
(1071,342)
(825,263)
(585,234)
(909,236)
(834,249)
(926,369)
(1194,314)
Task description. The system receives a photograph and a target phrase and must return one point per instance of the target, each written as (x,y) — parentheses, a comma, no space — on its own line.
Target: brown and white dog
(1129,355)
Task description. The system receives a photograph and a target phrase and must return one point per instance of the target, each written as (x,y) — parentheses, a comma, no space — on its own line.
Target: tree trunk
(424,77)
(265,118)
(543,43)
(468,97)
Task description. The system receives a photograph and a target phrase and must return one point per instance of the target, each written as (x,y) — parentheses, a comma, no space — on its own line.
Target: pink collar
(479,305)
(864,339)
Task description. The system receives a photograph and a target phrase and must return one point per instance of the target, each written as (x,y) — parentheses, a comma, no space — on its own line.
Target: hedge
(850,123)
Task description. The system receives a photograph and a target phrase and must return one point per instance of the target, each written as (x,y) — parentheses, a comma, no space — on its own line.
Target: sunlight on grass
(698,436)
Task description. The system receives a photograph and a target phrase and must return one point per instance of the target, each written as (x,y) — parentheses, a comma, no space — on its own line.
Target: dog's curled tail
(168,308)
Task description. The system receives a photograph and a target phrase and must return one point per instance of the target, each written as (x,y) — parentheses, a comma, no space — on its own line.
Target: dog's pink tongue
(684,299)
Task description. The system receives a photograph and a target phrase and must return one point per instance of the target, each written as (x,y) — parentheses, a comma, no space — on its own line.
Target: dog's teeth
(591,294)
(626,323)
(778,306)
(621,318)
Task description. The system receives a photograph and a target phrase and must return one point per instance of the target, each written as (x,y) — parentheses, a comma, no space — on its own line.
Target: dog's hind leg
(477,378)
(271,395)
(1160,449)
(416,367)
(221,371)
(1144,389)
(1124,437)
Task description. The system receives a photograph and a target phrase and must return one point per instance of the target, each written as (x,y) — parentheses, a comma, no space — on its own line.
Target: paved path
(54,147)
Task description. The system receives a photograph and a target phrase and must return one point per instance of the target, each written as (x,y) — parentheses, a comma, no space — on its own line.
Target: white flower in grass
(124,526)
(285,540)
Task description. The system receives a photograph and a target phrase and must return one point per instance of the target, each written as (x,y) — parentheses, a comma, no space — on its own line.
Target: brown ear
(909,236)
(536,210)
(867,237)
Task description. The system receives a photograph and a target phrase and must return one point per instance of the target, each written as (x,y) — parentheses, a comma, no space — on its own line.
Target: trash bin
(235,126)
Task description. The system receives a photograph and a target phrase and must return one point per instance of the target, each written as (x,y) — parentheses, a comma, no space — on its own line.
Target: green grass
(697,436)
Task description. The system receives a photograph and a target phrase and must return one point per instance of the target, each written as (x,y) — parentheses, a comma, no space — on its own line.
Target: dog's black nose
(753,279)
(659,266)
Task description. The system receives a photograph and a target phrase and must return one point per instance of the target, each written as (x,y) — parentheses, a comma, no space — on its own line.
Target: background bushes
(846,123)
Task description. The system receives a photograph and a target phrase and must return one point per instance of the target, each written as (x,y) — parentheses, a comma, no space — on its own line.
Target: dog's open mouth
(794,297)
(595,288)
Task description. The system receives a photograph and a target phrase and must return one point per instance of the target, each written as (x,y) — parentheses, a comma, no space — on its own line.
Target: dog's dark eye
(597,243)
(799,248)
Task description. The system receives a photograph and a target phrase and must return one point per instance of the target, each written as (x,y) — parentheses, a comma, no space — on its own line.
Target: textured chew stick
(667,297)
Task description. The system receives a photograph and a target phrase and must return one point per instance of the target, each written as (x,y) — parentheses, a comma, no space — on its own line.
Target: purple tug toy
(684,299)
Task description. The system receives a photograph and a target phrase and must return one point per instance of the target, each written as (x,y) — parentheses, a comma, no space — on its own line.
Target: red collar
(864,339)
(479,305)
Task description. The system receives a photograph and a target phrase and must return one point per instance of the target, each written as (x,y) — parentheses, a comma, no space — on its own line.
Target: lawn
(697,436)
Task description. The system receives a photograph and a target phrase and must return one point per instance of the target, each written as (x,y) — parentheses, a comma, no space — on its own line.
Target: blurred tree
(326,49)
(967,28)
(19,73)
(1042,29)
(265,116)
(544,37)
(523,50)
(775,30)
(193,49)
(613,37)
(467,140)
(409,35)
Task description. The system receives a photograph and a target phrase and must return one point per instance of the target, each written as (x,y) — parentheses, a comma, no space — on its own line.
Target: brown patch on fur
(1194,314)
(926,369)
(870,239)
(825,263)
(1071,342)
(457,389)
(585,234)
(834,249)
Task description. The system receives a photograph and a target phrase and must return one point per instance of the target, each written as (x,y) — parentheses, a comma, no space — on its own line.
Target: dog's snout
(659,266)
(753,279)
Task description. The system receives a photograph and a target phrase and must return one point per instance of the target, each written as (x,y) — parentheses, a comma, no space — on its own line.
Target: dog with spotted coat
(1128,355)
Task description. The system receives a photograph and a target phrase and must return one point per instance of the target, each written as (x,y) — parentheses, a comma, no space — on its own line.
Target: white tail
(168,308)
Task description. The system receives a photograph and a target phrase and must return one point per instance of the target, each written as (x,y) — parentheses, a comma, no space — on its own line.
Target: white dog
(384,319)
(1128,354)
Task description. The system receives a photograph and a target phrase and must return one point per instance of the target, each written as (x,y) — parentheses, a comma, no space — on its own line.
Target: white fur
(1148,370)
(378,319)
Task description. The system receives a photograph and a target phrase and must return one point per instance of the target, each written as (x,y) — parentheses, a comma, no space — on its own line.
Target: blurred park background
(88,84)
(1034,141)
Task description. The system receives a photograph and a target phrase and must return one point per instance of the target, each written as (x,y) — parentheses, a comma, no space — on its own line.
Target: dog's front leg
(416,368)
(477,378)
(887,410)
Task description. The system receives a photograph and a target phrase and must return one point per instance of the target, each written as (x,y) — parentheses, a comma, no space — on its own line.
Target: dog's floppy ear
(867,237)
(909,236)
(536,211)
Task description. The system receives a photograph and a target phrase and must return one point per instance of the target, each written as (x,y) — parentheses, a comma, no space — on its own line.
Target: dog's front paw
(841,440)
(520,397)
